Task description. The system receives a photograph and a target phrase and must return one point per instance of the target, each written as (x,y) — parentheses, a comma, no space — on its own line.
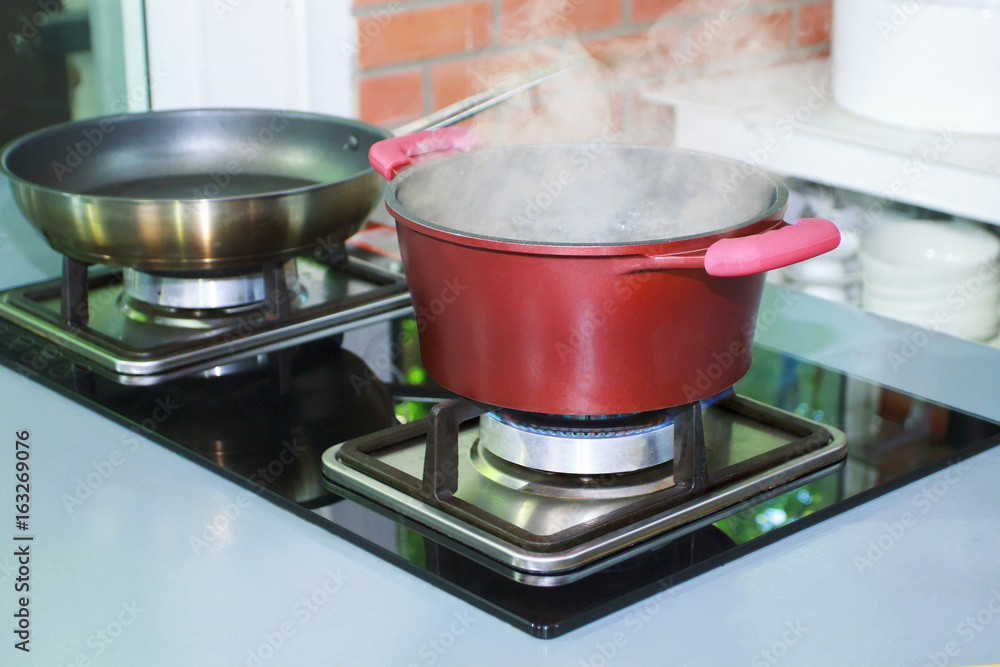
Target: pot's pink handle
(390,155)
(788,245)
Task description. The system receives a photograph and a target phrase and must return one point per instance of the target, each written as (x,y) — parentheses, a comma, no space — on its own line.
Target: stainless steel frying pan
(207,189)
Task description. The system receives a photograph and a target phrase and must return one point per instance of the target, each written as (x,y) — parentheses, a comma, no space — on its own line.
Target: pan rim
(17,142)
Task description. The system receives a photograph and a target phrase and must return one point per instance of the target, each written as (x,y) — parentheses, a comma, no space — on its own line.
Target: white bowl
(841,294)
(837,267)
(923,253)
(949,293)
(918,309)
(824,274)
(978,323)
(959,325)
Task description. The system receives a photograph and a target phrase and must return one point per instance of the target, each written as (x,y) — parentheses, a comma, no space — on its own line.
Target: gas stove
(546,522)
(548,500)
(146,327)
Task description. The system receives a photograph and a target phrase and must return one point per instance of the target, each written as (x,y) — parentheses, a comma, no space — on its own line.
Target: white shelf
(748,116)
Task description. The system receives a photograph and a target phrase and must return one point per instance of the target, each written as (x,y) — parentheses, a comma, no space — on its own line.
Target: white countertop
(124,555)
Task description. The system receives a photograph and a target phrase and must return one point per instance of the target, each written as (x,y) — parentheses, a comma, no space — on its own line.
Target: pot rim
(765,220)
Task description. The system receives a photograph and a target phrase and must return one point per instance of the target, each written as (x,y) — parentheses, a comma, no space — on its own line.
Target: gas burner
(490,491)
(588,487)
(579,445)
(199,291)
(148,327)
(205,300)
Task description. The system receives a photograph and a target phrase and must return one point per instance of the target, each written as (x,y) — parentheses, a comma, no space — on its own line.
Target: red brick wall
(414,56)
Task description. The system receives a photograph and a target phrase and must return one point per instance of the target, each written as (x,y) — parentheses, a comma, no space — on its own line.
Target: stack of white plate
(834,276)
(941,275)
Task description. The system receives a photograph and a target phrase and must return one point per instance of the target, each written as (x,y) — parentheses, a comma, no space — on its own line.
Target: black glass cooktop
(265,424)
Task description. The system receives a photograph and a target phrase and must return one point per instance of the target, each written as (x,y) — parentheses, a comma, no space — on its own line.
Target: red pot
(582,328)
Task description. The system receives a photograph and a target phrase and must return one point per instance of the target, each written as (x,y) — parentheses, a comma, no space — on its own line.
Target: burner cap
(209,290)
(579,445)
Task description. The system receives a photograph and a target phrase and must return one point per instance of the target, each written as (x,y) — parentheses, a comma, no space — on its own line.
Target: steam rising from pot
(590,189)
(588,193)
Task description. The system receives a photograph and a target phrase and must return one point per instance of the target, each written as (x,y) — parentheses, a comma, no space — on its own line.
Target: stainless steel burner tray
(336,299)
(732,438)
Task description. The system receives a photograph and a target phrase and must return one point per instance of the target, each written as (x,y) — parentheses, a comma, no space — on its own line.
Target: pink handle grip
(391,155)
(807,238)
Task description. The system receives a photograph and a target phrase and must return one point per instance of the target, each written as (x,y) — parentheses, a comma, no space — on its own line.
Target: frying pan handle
(389,156)
(747,255)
